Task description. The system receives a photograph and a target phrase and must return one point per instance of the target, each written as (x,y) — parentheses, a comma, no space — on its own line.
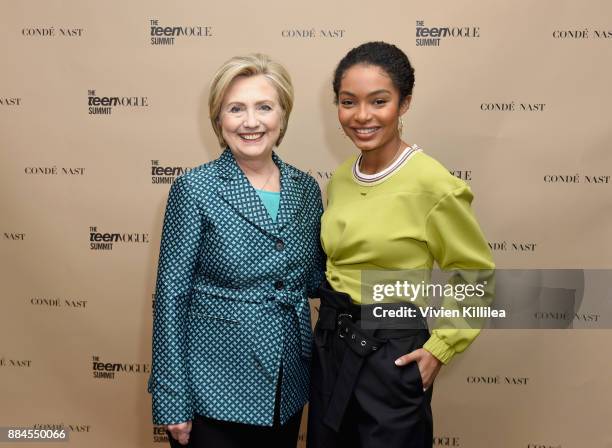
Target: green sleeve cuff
(439,349)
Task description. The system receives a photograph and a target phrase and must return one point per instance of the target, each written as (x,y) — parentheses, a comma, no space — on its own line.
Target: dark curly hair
(381,54)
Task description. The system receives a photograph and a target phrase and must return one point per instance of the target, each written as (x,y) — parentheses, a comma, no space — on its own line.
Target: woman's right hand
(180,432)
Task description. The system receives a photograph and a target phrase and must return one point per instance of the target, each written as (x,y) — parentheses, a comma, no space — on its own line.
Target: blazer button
(279,285)
(280,245)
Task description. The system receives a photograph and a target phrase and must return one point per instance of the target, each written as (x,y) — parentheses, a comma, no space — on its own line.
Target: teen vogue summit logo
(159,434)
(105,240)
(431,36)
(104,105)
(103,369)
(166,174)
(162,34)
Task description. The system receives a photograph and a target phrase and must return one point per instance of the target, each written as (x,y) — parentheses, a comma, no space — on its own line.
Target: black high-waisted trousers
(359,397)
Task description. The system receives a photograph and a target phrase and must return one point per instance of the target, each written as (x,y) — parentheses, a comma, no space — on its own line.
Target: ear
(405,105)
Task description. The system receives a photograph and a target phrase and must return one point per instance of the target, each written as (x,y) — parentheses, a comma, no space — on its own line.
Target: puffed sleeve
(180,244)
(456,243)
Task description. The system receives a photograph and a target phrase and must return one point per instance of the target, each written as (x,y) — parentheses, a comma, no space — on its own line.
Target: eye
(265,107)
(380,102)
(234,109)
(346,103)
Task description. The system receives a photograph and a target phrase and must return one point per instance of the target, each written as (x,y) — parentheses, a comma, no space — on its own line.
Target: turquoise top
(271,199)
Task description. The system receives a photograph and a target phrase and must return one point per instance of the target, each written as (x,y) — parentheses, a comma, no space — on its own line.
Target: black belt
(339,315)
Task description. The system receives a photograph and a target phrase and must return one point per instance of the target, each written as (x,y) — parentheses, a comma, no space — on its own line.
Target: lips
(366,130)
(365,133)
(252,136)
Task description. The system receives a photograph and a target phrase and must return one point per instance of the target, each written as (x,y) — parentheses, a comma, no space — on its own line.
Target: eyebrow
(258,102)
(376,92)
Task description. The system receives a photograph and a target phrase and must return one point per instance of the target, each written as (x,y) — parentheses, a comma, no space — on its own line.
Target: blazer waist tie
(269,332)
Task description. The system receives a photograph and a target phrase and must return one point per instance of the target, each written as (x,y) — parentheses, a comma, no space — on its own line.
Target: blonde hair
(250,65)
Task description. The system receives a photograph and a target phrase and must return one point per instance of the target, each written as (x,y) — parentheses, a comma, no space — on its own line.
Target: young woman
(389,207)
(239,257)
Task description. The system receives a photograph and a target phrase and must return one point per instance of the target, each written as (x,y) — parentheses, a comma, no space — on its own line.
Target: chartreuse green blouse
(406,217)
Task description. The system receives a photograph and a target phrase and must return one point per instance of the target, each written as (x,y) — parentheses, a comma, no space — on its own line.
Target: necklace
(249,175)
(267,180)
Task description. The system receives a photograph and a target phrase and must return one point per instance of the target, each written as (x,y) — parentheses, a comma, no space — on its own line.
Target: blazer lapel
(291,194)
(238,193)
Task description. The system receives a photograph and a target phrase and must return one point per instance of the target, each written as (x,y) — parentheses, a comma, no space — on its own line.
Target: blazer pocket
(217,344)
(216,308)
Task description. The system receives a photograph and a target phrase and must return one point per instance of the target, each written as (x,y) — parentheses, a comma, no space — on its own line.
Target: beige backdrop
(516,101)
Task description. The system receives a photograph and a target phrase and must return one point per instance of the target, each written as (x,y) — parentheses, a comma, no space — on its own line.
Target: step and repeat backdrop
(100,111)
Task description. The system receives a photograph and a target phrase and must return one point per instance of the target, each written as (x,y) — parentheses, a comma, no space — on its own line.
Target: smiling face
(251,117)
(368,108)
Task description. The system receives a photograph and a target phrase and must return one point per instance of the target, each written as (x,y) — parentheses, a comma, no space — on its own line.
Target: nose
(363,113)
(251,120)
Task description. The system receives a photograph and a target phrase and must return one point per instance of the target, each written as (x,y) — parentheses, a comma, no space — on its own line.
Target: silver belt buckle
(340,316)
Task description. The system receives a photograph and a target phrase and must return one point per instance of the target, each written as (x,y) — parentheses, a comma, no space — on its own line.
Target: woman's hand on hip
(428,364)
(180,432)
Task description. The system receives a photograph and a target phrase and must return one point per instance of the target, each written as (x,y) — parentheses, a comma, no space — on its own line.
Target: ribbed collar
(381,176)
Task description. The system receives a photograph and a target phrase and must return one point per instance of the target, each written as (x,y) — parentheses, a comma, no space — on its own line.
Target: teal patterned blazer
(231,298)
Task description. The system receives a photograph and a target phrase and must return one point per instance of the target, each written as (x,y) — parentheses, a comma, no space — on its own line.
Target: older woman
(390,207)
(239,255)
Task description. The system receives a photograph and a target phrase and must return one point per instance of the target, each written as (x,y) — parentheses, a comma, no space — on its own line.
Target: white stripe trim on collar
(376,178)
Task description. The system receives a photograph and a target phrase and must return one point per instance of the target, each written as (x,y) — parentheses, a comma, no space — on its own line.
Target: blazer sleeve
(180,244)
(457,243)
(318,274)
